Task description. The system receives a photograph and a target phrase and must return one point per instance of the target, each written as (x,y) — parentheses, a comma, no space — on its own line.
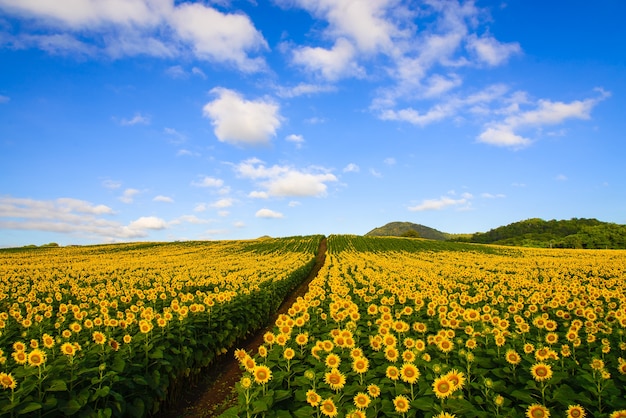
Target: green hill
(407,229)
(572,233)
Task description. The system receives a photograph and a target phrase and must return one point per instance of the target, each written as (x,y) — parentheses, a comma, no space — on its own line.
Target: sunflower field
(395,327)
(117,330)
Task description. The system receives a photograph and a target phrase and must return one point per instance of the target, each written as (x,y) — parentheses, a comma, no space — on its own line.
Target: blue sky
(132,120)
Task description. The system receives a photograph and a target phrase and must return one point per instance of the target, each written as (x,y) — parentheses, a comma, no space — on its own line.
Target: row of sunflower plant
(118,330)
(452,332)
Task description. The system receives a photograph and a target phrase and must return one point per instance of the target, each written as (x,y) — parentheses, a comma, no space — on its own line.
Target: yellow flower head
(313,398)
(262,374)
(7,381)
(576,411)
(401,403)
(328,408)
(335,379)
(443,387)
(36,358)
(537,411)
(409,373)
(361,400)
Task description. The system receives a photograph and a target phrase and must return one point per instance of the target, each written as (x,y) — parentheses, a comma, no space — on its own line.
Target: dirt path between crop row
(214,394)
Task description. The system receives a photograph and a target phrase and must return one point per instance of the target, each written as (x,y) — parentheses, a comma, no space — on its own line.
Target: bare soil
(214,393)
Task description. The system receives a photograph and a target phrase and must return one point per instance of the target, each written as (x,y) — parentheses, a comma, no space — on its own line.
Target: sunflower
(529,348)
(361,400)
(408,356)
(456,377)
(47,341)
(356,414)
(36,358)
(619,414)
(392,372)
(20,357)
(537,411)
(409,373)
(512,357)
(249,363)
(288,354)
(391,354)
(68,349)
(19,346)
(246,382)
(269,338)
(262,374)
(541,371)
(7,381)
(597,364)
(576,411)
(621,367)
(328,408)
(99,338)
(240,354)
(332,361)
(373,390)
(262,351)
(127,339)
(401,403)
(445,345)
(335,379)
(444,415)
(313,398)
(443,387)
(360,365)
(302,339)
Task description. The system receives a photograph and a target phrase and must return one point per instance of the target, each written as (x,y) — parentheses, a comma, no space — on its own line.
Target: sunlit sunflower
(443,387)
(512,357)
(99,338)
(36,358)
(618,414)
(391,354)
(240,354)
(360,365)
(409,373)
(302,339)
(262,374)
(68,349)
(373,390)
(537,411)
(456,377)
(444,415)
(335,379)
(249,363)
(47,341)
(313,398)
(361,400)
(401,403)
(289,353)
(576,411)
(392,373)
(7,381)
(328,408)
(332,361)
(19,346)
(541,371)
(20,357)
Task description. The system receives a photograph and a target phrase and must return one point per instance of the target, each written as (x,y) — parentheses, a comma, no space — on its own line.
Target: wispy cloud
(442,203)
(208,181)
(138,119)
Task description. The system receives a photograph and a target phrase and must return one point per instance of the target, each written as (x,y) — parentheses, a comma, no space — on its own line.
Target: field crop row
(411,328)
(116,330)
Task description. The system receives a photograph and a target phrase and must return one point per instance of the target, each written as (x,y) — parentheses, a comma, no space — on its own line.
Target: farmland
(389,327)
(398,327)
(117,330)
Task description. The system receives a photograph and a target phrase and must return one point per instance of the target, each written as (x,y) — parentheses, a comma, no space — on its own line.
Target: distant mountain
(572,233)
(407,229)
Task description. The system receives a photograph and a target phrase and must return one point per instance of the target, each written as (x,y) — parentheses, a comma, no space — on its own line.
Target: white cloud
(176,71)
(4,99)
(491,51)
(240,121)
(111,184)
(176,136)
(148,222)
(295,138)
(258,195)
(129,27)
(492,196)
(545,113)
(239,224)
(164,199)
(268,213)
(223,203)
(351,168)
(375,173)
(223,213)
(390,161)
(332,64)
(304,89)
(200,207)
(441,203)
(71,216)
(138,119)
(207,181)
(217,36)
(192,219)
(294,203)
(129,195)
(284,180)
(197,71)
